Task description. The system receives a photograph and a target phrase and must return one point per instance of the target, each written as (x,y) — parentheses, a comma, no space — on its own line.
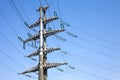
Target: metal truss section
(33,69)
(47,20)
(48,50)
(34,37)
(53,32)
(44,8)
(46,34)
(52,65)
(35,24)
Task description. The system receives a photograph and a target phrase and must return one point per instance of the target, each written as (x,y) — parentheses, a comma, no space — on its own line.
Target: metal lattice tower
(43,50)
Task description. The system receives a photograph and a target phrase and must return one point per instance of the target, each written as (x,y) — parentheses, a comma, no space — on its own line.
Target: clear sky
(95,52)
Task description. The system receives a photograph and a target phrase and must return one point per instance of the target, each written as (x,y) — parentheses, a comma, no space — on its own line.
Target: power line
(15,7)
(94,50)
(57,42)
(96,36)
(16,71)
(96,62)
(53,4)
(11,59)
(12,4)
(99,44)
(85,72)
(85,77)
(59,9)
(91,74)
(8,22)
(93,35)
(11,70)
(24,10)
(11,27)
(40,2)
(11,43)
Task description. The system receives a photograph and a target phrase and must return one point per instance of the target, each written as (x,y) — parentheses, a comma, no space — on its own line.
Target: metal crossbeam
(36,53)
(45,66)
(46,34)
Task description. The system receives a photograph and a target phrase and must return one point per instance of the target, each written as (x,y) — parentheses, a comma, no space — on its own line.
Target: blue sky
(95,52)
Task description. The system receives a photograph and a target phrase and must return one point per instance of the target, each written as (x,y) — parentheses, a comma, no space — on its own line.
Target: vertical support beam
(41,71)
(44,43)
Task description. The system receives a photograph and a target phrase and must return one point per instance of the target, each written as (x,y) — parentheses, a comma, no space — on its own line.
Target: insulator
(28,76)
(71,67)
(49,29)
(20,39)
(65,23)
(55,13)
(62,26)
(33,59)
(64,52)
(60,69)
(29,35)
(31,77)
(71,34)
(31,45)
(63,39)
(26,24)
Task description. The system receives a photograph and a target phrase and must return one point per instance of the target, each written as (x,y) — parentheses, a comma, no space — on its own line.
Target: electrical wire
(24,10)
(11,59)
(92,35)
(11,27)
(11,43)
(91,74)
(86,73)
(58,6)
(93,49)
(96,36)
(14,71)
(57,42)
(8,22)
(79,71)
(14,7)
(95,62)
(106,47)
(84,39)
(11,70)
(40,2)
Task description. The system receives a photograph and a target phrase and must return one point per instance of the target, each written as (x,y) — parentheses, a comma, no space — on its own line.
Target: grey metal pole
(41,71)
(45,48)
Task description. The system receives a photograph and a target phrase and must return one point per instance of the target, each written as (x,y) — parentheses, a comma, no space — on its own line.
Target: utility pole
(41,62)
(43,50)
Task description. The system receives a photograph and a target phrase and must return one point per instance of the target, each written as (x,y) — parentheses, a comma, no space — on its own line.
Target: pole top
(44,8)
